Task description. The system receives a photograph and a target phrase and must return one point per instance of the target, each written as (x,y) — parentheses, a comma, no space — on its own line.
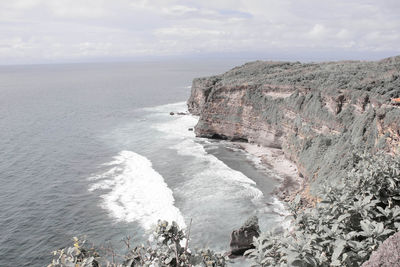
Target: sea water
(91,149)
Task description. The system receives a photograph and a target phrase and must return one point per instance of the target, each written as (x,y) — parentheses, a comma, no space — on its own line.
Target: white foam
(136,191)
(178,127)
(216,170)
(175,107)
(106,174)
(279,208)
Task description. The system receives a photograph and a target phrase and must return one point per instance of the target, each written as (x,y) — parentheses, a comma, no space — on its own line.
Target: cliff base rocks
(242,239)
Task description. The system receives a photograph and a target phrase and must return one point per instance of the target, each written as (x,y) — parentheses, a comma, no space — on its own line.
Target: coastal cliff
(319,114)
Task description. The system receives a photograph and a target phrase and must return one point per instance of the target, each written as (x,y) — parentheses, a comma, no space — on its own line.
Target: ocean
(92,150)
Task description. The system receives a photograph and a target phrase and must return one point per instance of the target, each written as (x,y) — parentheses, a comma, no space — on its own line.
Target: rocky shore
(286,170)
(305,121)
(317,114)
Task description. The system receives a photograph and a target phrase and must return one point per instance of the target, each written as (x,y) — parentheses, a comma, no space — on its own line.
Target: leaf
(396,212)
(169,260)
(343,216)
(297,262)
(335,227)
(387,232)
(382,211)
(339,246)
(311,261)
(365,226)
(378,227)
(249,251)
(367,200)
(355,245)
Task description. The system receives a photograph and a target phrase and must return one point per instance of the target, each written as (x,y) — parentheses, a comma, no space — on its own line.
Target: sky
(47,31)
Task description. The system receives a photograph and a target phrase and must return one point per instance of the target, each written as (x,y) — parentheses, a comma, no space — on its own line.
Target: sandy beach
(275,160)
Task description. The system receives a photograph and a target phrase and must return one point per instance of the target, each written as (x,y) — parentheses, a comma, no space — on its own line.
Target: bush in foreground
(351,221)
(165,250)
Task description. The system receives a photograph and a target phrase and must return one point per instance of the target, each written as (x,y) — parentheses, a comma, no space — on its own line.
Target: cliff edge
(319,114)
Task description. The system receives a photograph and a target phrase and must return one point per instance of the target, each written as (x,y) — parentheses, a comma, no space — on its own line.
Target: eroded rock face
(318,113)
(201,87)
(387,255)
(242,239)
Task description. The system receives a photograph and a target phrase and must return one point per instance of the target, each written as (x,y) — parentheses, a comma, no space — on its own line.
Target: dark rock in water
(387,255)
(242,239)
(190,129)
(171,113)
(181,113)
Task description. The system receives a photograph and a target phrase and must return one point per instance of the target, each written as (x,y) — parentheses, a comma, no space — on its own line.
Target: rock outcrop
(319,114)
(387,255)
(242,239)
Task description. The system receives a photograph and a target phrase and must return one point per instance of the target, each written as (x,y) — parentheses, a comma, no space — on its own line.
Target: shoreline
(273,159)
(284,169)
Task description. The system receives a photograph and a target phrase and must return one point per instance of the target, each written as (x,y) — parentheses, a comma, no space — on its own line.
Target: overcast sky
(40,31)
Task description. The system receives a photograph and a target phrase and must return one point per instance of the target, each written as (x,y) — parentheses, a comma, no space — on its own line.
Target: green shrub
(165,250)
(351,221)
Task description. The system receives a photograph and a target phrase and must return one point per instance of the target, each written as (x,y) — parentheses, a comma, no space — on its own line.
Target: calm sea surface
(90,149)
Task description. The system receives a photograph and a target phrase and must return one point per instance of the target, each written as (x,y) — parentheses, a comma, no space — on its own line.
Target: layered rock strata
(319,114)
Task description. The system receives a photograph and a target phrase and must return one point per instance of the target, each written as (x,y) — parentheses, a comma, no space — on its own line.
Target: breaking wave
(134,191)
(215,171)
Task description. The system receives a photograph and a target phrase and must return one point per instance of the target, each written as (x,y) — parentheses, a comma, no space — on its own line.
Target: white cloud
(318,30)
(78,9)
(343,34)
(186,32)
(22,4)
(33,30)
(179,10)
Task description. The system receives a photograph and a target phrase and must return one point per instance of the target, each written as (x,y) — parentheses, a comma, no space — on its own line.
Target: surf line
(133,191)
